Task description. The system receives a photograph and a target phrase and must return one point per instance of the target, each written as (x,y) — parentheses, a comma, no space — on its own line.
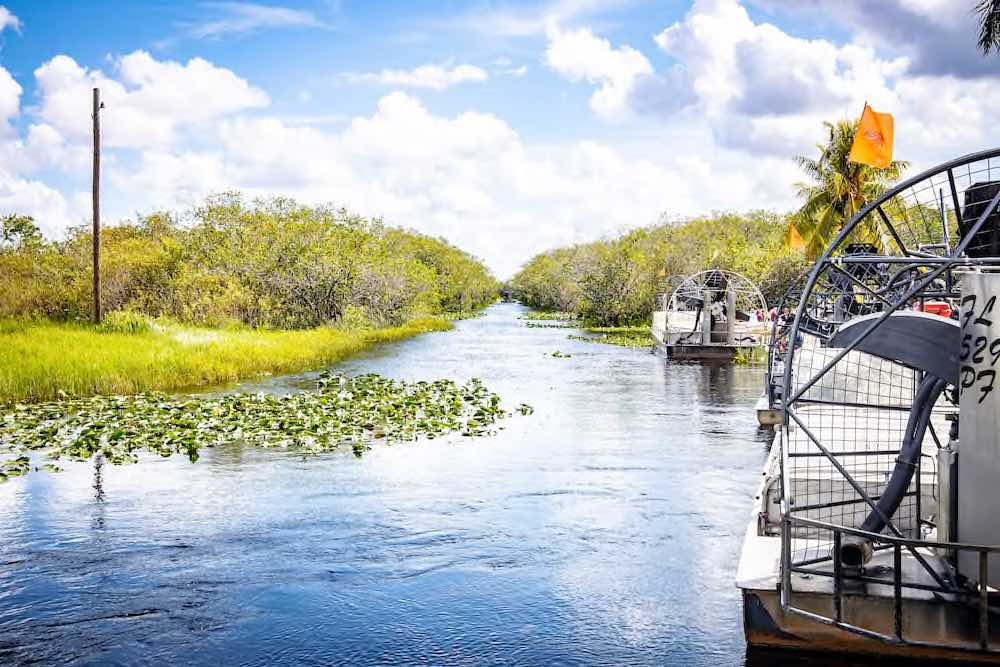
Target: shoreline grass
(42,360)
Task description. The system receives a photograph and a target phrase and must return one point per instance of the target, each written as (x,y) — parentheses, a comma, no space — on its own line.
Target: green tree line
(614,282)
(268,263)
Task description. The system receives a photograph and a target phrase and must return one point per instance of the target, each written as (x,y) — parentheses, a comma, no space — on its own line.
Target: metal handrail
(897,544)
(893,539)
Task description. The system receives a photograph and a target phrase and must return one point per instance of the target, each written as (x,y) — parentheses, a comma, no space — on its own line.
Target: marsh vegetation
(612,283)
(230,289)
(338,412)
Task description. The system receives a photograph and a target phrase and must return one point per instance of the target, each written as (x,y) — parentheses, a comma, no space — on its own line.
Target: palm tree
(837,189)
(989,25)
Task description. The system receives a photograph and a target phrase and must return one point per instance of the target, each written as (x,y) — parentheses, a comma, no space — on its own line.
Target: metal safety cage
(777,340)
(665,289)
(864,405)
(715,288)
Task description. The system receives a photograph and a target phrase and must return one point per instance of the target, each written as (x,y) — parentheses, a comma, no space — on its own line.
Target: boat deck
(951,625)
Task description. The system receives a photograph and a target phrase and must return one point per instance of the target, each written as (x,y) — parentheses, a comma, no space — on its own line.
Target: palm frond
(989,25)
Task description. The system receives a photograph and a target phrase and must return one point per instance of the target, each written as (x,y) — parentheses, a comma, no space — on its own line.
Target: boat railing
(777,339)
(972,630)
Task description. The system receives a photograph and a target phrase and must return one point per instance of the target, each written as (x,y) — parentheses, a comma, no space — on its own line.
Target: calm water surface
(603,529)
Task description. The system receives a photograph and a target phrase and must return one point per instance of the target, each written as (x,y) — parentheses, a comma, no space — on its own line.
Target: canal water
(603,529)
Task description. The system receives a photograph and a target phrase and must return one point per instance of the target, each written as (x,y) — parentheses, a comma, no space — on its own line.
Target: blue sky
(507,127)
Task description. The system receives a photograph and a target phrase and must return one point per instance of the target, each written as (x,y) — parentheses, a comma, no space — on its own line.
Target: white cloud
(469,177)
(243,17)
(763,91)
(148,103)
(8,20)
(10,96)
(580,55)
(436,77)
(32,197)
(734,116)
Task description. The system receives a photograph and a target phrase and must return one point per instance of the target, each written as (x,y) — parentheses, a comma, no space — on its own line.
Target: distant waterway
(603,529)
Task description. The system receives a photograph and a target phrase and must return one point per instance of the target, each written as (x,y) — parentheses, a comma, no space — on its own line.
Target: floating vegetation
(457,315)
(748,356)
(636,337)
(548,315)
(561,355)
(535,325)
(340,411)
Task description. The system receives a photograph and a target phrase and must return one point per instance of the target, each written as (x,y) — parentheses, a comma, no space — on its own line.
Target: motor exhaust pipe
(855,552)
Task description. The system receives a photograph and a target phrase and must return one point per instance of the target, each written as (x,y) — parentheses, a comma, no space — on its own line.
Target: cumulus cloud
(470,177)
(580,55)
(10,97)
(764,91)
(8,20)
(767,91)
(436,77)
(147,104)
(938,36)
(32,197)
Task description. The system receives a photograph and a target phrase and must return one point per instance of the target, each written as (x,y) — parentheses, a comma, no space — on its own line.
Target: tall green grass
(41,360)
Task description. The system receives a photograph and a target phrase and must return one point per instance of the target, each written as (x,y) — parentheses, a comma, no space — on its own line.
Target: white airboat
(712,314)
(877,526)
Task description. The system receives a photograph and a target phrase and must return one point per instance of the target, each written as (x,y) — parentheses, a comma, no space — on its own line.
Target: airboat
(712,314)
(876,530)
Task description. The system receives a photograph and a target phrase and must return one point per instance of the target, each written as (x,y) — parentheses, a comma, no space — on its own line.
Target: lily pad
(340,410)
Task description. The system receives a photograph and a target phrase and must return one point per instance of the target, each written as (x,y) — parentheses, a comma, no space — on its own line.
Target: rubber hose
(909,454)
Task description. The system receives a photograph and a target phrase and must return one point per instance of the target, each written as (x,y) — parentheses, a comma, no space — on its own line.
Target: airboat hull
(928,618)
(767,414)
(679,345)
(766,626)
(701,352)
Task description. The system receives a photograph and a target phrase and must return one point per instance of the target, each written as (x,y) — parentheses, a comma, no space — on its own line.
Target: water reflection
(605,528)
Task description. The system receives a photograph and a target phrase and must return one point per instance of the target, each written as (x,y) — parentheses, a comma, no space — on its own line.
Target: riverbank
(42,360)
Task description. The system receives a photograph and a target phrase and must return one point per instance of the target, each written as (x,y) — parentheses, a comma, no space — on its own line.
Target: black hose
(909,454)
(697,319)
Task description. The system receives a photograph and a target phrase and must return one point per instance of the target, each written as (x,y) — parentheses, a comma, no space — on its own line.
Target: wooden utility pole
(96,197)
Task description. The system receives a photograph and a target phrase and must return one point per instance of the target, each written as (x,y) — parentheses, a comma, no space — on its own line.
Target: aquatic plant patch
(458,315)
(749,356)
(637,337)
(340,411)
(547,315)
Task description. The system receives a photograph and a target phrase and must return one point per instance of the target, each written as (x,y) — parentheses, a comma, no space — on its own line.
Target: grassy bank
(45,360)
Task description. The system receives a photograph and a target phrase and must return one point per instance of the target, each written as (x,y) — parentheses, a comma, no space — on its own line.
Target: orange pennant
(793,239)
(873,139)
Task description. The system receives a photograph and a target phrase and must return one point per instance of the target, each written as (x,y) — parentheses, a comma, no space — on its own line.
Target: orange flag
(873,139)
(793,239)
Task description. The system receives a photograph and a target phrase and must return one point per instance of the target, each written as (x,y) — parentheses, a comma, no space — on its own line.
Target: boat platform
(682,341)
(903,603)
